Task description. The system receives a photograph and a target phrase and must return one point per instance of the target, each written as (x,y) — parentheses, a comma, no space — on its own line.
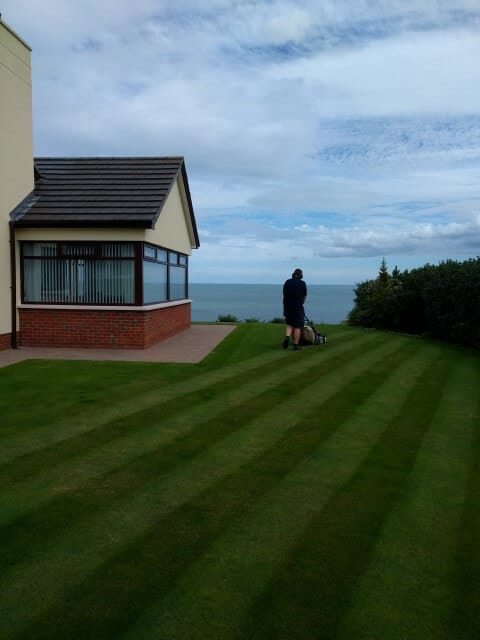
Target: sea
(326,303)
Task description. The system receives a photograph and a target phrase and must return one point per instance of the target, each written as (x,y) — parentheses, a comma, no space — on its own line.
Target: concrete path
(190,346)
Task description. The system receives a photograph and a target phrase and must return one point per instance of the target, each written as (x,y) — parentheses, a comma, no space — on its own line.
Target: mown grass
(328,493)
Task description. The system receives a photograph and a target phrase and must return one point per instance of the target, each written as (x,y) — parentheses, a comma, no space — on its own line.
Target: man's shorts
(295,319)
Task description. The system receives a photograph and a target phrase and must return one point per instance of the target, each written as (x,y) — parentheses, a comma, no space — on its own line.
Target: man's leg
(288,333)
(296,335)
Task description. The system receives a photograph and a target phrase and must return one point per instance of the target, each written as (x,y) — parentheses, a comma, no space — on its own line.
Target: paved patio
(190,346)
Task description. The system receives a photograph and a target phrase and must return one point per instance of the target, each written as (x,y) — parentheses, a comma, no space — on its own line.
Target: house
(94,251)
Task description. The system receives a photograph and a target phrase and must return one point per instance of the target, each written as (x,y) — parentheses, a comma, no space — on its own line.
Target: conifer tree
(383,275)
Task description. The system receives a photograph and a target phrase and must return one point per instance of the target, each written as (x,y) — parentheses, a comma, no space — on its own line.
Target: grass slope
(262,494)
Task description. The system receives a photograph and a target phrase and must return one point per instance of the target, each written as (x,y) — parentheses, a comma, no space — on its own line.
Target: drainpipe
(13,286)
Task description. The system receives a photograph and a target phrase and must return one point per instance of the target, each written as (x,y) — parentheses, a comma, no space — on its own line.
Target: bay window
(101,273)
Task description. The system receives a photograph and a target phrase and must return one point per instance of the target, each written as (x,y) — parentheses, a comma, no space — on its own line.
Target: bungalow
(93,251)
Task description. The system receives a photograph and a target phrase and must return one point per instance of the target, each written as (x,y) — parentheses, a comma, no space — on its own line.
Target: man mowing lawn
(294,296)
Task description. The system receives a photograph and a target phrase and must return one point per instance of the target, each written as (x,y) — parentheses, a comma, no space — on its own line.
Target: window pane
(172,257)
(149,252)
(161,255)
(79,281)
(178,282)
(107,282)
(43,281)
(118,250)
(182,260)
(39,249)
(154,282)
(78,249)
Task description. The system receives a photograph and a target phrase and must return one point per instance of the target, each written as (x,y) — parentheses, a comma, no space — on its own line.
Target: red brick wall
(112,329)
(5,341)
(171,320)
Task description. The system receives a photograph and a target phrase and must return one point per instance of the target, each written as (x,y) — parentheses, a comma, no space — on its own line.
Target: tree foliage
(439,300)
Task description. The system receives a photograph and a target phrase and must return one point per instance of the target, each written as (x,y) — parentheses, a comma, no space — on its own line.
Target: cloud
(407,239)
(291,24)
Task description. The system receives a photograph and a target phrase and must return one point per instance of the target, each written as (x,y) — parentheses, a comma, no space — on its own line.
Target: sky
(324,135)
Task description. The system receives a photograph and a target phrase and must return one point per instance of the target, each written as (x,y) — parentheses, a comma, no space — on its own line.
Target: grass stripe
(313,587)
(97,539)
(408,589)
(75,430)
(465,622)
(151,563)
(211,597)
(202,415)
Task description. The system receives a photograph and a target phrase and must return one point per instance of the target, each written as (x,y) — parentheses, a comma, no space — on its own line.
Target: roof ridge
(133,158)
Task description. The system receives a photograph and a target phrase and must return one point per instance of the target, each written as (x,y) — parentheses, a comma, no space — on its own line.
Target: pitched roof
(101,192)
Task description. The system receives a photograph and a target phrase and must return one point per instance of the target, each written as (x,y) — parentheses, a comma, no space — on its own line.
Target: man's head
(298,273)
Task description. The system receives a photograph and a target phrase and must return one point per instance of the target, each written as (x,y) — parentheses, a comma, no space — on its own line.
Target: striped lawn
(330,493)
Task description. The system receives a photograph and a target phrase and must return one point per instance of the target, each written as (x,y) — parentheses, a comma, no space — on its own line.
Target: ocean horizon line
(274,284)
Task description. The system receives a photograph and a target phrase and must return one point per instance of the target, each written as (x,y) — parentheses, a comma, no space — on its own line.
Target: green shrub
(277,321)
(252,320)
(441,300)
(227,318)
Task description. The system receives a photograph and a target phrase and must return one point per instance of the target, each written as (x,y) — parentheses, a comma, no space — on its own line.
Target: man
(294,296)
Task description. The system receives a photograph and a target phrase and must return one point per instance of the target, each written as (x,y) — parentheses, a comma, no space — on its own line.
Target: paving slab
(189,346)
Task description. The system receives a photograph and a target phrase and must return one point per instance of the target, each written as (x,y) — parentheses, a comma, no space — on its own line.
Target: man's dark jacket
(294,294)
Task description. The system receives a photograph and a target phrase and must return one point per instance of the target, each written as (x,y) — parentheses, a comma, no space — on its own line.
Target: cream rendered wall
(16,148)
(79,235)
(173,229)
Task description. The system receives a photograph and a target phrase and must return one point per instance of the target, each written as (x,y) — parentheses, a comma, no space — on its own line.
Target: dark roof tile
(113,192)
